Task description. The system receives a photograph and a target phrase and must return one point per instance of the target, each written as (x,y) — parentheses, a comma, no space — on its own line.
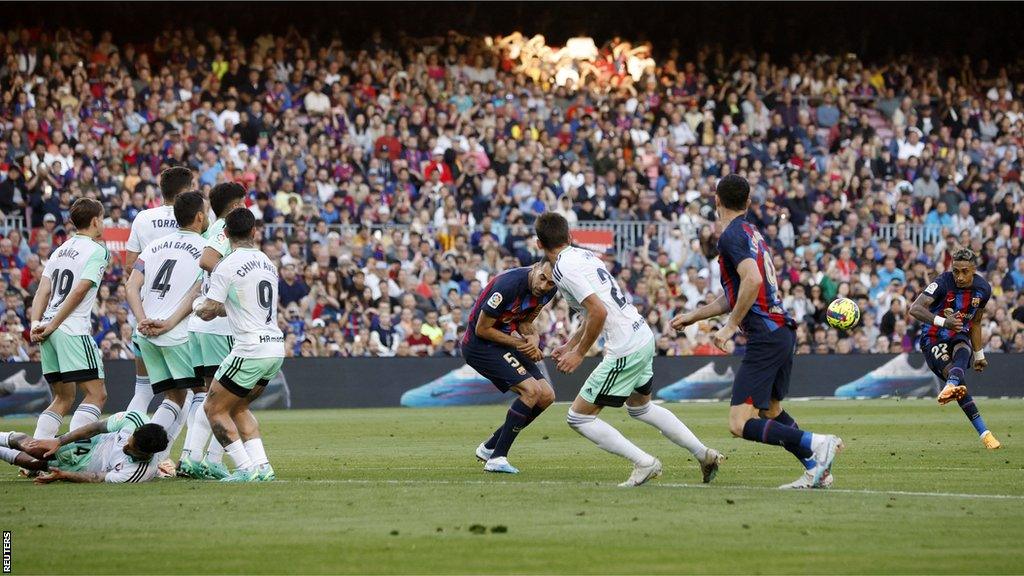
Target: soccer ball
(843,313)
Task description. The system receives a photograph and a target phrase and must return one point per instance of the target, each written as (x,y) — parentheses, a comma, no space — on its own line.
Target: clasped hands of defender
(151,328)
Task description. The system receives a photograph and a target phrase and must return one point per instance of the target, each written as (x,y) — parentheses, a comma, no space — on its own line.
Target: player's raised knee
(545,395)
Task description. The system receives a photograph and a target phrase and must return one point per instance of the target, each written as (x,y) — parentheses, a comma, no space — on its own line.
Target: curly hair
(965,255)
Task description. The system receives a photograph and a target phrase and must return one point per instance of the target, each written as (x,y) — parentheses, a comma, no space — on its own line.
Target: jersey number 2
(616,295)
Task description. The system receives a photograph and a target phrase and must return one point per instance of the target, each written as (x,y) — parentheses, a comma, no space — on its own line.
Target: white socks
(179,420)
(669,425)
(215,452)
(607,438)
(143,395)
(237,452)
(47,425)
(5,439)
(166,414)
(198,433)
(84,414)
(8,454)
(195,406)
(254,448)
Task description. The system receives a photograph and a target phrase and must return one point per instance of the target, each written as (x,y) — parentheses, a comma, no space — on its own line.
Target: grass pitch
(398,490)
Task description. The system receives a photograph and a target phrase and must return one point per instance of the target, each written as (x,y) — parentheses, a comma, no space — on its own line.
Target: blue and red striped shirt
(739,241)
(508,299)
(966,302)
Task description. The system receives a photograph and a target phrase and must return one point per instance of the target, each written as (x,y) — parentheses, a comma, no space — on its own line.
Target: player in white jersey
(62,322)
(165,280)
(148,226)
(626,374)
(211,343)
(119,449)
(243,287)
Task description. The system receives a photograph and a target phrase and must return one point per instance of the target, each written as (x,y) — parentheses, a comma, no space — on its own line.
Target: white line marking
(659,485)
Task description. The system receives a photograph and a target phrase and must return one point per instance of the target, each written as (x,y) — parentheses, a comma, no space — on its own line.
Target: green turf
(398,490)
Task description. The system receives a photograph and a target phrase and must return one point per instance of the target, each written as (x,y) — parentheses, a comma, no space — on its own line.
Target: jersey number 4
(162,282)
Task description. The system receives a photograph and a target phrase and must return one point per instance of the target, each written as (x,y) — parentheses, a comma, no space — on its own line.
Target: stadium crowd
(393,179)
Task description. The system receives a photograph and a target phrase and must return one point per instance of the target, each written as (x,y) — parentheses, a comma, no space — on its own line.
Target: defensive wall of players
(622,236)
(421,382)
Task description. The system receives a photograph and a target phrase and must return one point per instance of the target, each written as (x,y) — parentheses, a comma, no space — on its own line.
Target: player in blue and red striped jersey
(503,347)
(951,309)
(752,296)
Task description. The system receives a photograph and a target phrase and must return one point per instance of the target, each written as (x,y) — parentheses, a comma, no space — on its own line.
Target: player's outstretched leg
(744,423)
(640,407)
(955,388)
(583,418)
(971,410)
(12,451)
(534,397)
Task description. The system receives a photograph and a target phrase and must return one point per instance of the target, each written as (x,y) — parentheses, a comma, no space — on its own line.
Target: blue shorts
(939,355)
(504,367)
(764,373)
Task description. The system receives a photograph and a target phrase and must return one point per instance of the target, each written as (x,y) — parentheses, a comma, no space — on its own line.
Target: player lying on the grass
(210,343)
(953,304)
(243,287)
(752,296)
(149,225)
(62,322)
(163,283)
(118,449)
(504,348)
(626,374)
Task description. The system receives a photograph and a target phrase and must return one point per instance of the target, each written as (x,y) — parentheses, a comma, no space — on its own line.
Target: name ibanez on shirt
(69,253)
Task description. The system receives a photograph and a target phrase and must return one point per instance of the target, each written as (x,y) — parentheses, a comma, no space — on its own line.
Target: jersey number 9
(265,297)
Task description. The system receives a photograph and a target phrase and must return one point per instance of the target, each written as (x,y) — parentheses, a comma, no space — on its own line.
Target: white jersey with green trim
(150,225)
(78,259)
(170,267)
(108,455)
(246,282)
(578,273)
(217,240)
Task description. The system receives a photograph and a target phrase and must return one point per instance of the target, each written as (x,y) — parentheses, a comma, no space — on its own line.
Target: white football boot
(641,474)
